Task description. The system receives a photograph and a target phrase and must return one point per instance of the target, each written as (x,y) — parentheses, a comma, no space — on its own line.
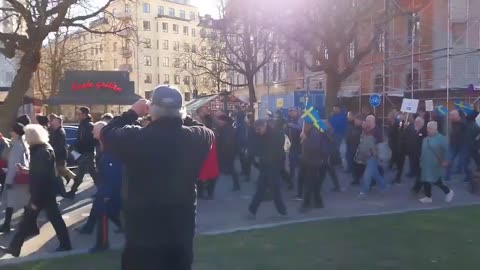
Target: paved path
(228,211)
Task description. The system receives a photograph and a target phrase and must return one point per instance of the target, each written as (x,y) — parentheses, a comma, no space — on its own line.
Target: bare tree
(62,51)
(236,43)
(205,62)
(32,22)
(334,36)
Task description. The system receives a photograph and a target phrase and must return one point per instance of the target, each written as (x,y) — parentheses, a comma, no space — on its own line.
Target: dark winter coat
(415,140)
(226,144)
(43,182)
(58,141)
(316,147)
(271,149)
(162,161)
(353,136)
(85,142)
(458,134)
(294,130)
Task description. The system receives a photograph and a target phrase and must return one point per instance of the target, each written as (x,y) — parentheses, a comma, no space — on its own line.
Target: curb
(50,256)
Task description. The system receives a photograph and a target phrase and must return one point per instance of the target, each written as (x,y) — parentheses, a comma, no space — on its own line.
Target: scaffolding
(437,52)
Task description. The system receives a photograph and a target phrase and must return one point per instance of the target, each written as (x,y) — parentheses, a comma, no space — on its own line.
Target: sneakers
(298,198)
(449,196)
(362,196)
(426,200)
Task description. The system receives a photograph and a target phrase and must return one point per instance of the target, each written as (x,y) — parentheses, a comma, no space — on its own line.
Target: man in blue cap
(162,162)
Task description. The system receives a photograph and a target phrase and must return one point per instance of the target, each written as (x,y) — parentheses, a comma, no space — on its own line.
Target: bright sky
(207,7)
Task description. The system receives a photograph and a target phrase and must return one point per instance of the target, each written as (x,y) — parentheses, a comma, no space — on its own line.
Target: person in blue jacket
(107,201)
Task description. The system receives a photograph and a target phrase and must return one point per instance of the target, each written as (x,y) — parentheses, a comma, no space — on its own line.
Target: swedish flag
(466,108)
(442,110)
(312,116)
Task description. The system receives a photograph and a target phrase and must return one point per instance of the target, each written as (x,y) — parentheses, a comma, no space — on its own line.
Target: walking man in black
(271,154)
(85,146)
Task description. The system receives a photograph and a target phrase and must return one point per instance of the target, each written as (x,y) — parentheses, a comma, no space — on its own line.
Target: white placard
(409,105)
(429,106)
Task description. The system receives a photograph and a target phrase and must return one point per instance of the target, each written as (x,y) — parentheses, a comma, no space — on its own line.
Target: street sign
(375,100)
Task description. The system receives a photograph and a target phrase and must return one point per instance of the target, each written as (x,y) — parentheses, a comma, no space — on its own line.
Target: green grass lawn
(437,240)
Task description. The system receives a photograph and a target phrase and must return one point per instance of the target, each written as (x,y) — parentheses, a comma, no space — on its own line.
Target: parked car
(71,132)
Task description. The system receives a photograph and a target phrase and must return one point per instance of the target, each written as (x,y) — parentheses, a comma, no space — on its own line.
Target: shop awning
(95,88)
(193,105)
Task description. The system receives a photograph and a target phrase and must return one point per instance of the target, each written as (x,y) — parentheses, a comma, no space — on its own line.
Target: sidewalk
(227,213)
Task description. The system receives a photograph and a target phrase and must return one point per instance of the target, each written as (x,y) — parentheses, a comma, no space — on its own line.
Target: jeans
(29,219)
(372,172)
(86,163)
(464,159)
(269,179)
(350,156)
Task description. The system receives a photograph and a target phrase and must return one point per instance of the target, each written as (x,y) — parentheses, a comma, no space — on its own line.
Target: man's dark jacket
(271,149)
(43,181)
(226,144)
(162,162)
(58,140)
(85,142)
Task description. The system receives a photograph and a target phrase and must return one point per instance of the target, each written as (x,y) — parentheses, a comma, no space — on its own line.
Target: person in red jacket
(208,175)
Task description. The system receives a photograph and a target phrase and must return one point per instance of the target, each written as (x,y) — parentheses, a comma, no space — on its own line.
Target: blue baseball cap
(167,96)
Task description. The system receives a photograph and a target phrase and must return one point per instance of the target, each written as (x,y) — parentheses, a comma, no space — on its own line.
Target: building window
(192,16)
(166,78)
(115,46)
(274,72)
(413,25)
(165,44)
(171,12)
(158,61)
(148,43)
(176,79)
(166,62)
(459,32)
(148,95)
(176,46)
(203,33)
(185,30)
(186,80)
(158,79)
(161,11)
(176,63)
(413,80)
(351,50)
(165,27)
(378,84)
(101,48)
(380,46)
(158,44)
(296,63)
(96,50)
(146,26)
(194,32)
(146,8)
(186,47)
(182,14)
(194,48)
(115,64)
(148,78)
(280,66)
(148,61)
(175,28)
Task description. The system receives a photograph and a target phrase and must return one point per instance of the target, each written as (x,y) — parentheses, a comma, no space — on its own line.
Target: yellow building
(156,33)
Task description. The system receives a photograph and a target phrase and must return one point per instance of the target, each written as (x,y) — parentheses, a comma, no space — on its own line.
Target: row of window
(148,78)
(147,43)
(171,12)
(175,28)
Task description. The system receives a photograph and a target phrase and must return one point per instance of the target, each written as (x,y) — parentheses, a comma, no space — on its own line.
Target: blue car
(72,133)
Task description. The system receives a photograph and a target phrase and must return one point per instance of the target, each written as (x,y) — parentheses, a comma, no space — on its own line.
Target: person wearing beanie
(85,146)
(43,121)
(16,194)
(162,162)
(24,120)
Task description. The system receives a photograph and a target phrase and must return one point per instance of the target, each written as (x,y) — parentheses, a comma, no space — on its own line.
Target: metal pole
(268,86)
(448,64)
(384,67)
(414,33)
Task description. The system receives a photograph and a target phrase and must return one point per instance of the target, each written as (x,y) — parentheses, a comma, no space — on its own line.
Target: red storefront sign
(98,85)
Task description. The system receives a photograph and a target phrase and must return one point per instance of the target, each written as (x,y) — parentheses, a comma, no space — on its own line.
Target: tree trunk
(251,91)
(334,84)
(20,86)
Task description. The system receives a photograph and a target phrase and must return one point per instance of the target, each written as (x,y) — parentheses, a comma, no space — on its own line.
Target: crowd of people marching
(157,156)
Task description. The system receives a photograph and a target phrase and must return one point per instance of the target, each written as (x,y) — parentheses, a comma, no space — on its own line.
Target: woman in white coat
(16,195)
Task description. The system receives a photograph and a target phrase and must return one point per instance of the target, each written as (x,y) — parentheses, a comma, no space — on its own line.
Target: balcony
(126,52)
(125,67)
(126,33)
(124,16)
